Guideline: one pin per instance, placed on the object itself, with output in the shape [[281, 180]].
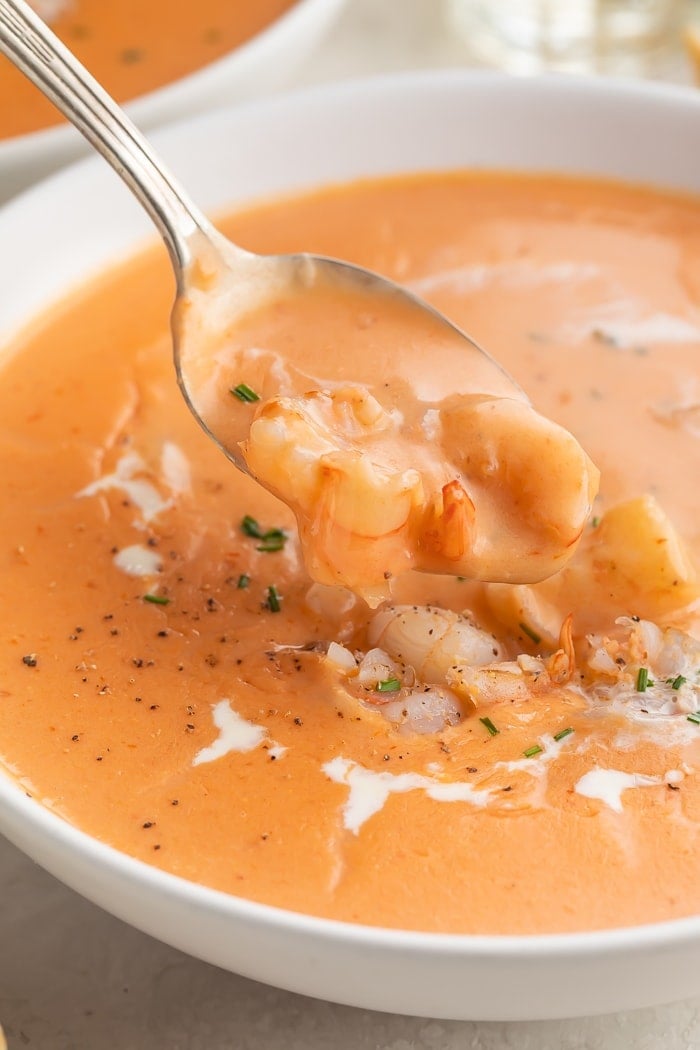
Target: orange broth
[[189, 733], [133, 47]]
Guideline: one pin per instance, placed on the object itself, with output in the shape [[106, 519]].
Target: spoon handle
[[41, 56]]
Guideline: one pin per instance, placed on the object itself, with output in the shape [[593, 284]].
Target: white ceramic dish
[[67, 228], [261, 64]]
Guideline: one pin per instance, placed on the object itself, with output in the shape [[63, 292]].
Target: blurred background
[[650, 38]]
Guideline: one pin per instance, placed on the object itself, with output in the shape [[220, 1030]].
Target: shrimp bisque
[[480, 756], [389, 466]]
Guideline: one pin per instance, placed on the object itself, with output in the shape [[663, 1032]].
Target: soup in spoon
[[322, 393]]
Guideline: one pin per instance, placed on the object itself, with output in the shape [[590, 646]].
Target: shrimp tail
[[449, 528], [562, 664]]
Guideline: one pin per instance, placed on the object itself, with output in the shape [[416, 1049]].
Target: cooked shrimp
[[410, 705], [518, 679], [443, 648], [354, 512], [425, 661], [647, 667], [427, 710], [497, 492], [432, 641], [527, 489]]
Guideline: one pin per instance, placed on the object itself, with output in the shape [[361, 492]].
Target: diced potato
[[634, 563]]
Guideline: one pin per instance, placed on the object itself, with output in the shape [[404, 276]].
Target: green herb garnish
[[243, 581], [244, 393], [251, 527], [156, 599], [490, 726], [643, 679], [695, 719], [389, 685], [678, 681], [533, 635], [532, 751], [562, 733], [274, 600], [271, 539]]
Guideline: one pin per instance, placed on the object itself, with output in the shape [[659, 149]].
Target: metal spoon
[[217, 281]]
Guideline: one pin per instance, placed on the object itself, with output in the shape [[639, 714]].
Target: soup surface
[[132, 47], [174, 683]]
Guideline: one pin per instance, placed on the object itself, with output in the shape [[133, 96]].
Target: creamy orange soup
[[467, 757], [132, 47]]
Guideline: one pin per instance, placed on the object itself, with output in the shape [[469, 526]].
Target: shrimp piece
[[669, 659], [530, 484], [497, 493], [518, 679], [412, 707], [443, 648], [431, 640], [354, 510], [426, 710], [435, 660]]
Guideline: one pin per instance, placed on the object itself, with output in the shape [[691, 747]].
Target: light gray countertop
[[74, 978]]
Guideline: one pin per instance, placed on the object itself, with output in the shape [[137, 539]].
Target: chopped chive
[[389, 685], [643, 679], [156, 599], [251, 527], [490, 726], [562, 733], [272, 540], [595, 522], [243, 581], [694, 718], [533, 635], [532, 751], [244, 393], [678, 681], [274, 601]]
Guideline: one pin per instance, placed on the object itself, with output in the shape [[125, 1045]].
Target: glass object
[[576, 35]]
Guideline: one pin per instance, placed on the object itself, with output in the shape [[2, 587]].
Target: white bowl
[[82, 219], [262, 63]]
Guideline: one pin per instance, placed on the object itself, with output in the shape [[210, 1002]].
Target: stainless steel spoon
[[217, 281]]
